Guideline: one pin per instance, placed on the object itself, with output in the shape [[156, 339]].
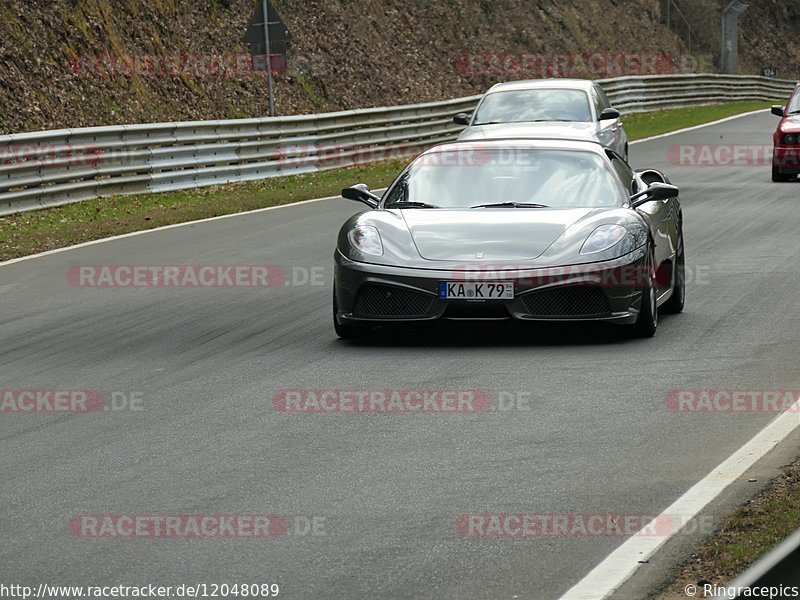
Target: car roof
[[524, 143], [533, 84]]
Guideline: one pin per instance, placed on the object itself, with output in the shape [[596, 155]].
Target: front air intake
[[375, 301], [568, 301]]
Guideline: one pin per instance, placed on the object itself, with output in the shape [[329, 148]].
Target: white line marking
[[622, 563], [144, 231], [259, 210]]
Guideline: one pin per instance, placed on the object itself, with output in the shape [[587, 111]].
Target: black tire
[[675, 303], [647, 323], [778, 176], [347, 332]]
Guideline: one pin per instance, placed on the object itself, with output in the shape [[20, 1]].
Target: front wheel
[[678, 298], [647, 323], [778, 176]]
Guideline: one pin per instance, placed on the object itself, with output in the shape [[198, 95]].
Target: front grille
[[570, 301], [387, 302]]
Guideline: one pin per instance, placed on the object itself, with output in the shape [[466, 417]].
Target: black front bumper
[[604, 291]]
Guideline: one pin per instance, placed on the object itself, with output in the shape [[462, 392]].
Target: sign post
[[268, 37], [269, 59], [730, 36]]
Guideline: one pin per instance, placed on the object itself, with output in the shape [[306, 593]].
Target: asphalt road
[[385, 490]]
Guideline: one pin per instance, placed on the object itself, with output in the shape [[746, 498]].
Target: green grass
[[643, 125], [747, 535], [754, 531], [34, 231], [30, 232]]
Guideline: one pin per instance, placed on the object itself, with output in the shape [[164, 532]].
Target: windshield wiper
[[793, 112], [511, 205], [411, 205]]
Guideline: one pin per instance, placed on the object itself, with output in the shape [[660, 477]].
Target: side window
[[598, 107], [624, 172], [603, 98]]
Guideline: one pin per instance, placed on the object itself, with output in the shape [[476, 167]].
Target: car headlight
[[366, 239], [603, 238], [790, 138]]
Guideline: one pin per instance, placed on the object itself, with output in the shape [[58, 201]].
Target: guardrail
[[50, 168], [638, 94]]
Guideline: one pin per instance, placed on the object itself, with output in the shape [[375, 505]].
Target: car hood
[[577, 130], [488, 234]]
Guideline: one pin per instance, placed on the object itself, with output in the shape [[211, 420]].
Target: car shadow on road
[[497, 333]]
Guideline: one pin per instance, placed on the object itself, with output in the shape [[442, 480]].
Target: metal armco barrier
[[50, 168]]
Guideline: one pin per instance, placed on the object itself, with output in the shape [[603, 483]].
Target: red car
[[786, 140]]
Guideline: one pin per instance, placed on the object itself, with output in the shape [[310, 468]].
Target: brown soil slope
[[345, 53]]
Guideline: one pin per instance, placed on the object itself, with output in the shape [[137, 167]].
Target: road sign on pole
[[730, 36], [265, 10], [268, 36]]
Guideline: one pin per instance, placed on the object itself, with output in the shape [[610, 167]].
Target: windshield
[[794, 103], [473, 176], [521, 106]]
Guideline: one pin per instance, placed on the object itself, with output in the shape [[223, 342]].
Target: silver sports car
[[547, 230], [541, 108]]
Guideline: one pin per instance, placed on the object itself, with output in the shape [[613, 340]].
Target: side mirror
[[777, 110], [650, 176], [609, 113], [656, 191], [461, 119], [360, 193]]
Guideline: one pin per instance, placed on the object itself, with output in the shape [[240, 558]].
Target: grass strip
[[747, 535]]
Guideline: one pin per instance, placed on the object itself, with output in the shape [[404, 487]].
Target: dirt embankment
[[345, 53]]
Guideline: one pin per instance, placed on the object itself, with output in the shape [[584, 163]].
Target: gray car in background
[[546, 108]]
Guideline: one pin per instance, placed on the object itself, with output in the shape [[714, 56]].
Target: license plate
[[468, 290]]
